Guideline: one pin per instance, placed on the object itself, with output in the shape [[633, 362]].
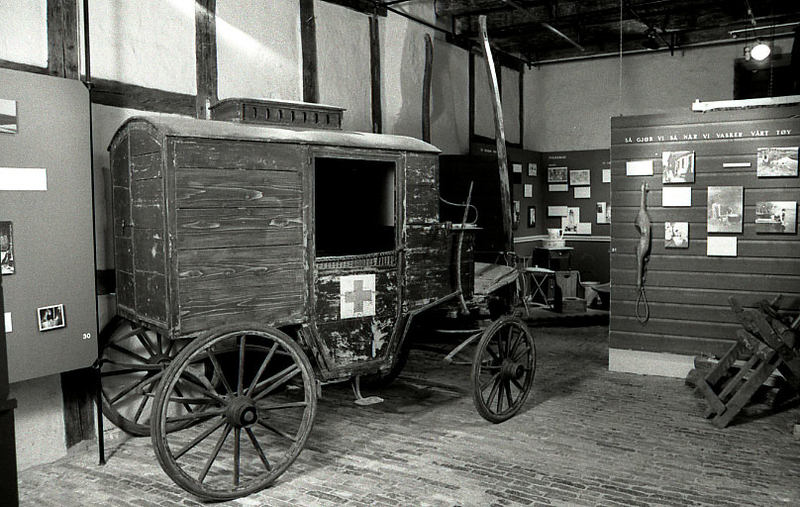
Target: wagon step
[[360, 400]]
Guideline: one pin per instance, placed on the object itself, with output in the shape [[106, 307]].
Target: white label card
[[558, 188], [676, 196], [23, 178], [606, 175], [9, 328], [721, 246], [582, 192], [639, 168]]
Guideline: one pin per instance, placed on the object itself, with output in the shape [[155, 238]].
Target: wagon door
[[356, 267]]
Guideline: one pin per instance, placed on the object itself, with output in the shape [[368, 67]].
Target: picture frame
[[533, 169], [557, 174], [580, 177], [725, 209], [676, 234], [7, 248], [51, 317], [678, 167], [8, 116], [531, 216], [777, 162], [776, 217]]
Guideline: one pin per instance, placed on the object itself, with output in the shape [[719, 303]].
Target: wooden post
[[500, 137], [206, 56], [426, 89], [63, 55], [308, 42], [375, 73]]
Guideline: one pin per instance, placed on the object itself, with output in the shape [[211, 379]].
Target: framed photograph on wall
[[8, 116], [777, 162], [6, 248], [51, 317], [678, 166], [676, 234], [531, 216], [533, 169], [725, 209], [580, 177], [776, 217], [556, 174]]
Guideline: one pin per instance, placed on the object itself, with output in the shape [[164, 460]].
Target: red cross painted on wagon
[[357, 296]]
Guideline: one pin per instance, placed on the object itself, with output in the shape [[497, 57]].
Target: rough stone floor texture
[[586, 437]]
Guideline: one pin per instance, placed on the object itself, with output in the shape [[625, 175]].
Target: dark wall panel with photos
[[736, 237]]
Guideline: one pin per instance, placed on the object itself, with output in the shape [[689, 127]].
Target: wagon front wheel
[[503, 369], [250, 395]]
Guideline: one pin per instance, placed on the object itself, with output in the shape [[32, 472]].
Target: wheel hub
[[242, 412], [512, 369]]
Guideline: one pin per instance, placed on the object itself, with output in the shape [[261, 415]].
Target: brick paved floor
[[586, 437]]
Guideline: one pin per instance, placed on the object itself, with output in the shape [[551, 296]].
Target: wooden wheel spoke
[[142, 337], [139, 410], [205, 387], [125, 371], [276, 380], [169, 347], [218, 370], [128, 353], [516, 383], [486, 384], [130, 387], [132, 367], [277, 431], [263, 367], [513, 350], [282, 406], [237, 433], [127, 335], [159, 343], [493, 392], [214, 454], [509, 396], [199, 438], [258, 449], [195, 416], [502, 385], [240, 379], [495, 356]]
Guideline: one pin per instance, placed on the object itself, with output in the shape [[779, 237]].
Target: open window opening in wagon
[[354, 206]]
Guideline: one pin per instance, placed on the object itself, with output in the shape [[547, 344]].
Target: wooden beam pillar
[[471, 98], [522, 107], [375, 73], [308, 42], [206, 56], [63, 53]]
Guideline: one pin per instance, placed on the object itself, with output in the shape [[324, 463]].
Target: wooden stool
[[539, 278]]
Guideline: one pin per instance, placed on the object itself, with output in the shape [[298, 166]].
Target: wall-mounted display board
[[584, 210], [46, 209], [722, 202]]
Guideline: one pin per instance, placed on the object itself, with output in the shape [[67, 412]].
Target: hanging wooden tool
[[642, 256], [426, 90], [500, 137]]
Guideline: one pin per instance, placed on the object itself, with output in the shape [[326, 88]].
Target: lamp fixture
[[651, 43], [760, 51]]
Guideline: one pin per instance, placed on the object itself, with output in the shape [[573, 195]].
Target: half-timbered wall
[[687, 289]]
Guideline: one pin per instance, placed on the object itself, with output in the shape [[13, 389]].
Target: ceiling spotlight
[[760, 51], [651, 43]]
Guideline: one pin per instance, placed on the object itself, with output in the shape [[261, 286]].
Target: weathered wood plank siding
[[688, 290], [238, 232]]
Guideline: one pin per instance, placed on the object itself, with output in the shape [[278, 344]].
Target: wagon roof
[[217, 129]]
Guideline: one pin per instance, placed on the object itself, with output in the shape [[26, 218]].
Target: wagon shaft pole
[[500, 136]]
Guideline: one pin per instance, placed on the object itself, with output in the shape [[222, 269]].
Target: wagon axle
[[241, 412]]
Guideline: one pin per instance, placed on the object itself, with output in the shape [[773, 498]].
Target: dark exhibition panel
[[721, 193]]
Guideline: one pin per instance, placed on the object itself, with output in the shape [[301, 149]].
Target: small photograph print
[[533, 169], [580, 177], [776, 217], [531, 216], [678, 166], [603, 213], [8, 116], [676, 234], [777, 162], [556, 174], [725, 209], [570, 222], [6, 248], [51, 317]]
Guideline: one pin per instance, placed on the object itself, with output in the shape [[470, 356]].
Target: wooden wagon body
[[334, 236]]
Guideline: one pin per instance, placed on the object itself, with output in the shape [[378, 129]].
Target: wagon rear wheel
[[503, 369], [250, 394], [132, 360]]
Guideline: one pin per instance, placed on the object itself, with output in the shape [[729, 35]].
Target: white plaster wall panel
[[511, 99], [144, 42], [38, 421], [450, 98], [403, 67], [484, 112], [258, 49], [343, 68], [569, 106], [23, 31]]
